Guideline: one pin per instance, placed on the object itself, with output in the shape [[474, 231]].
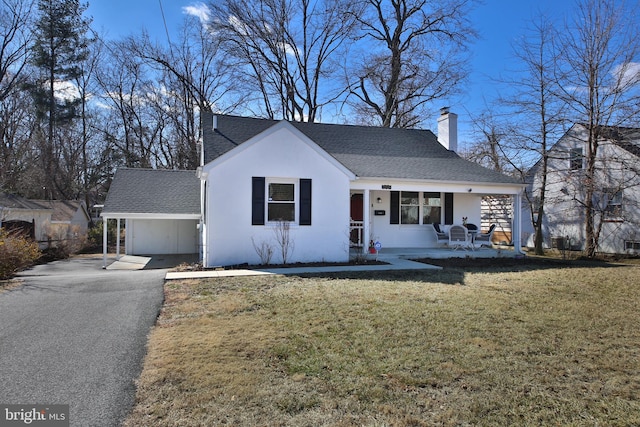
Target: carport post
[[104, 242], [118, 239]]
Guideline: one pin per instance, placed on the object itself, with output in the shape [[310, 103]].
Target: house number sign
[[386, 187]]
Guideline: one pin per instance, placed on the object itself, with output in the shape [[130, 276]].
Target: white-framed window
[[576, 159], [431, 208], [613, 210], [409, 207], [632, 245], [416, 207], [281, 200]]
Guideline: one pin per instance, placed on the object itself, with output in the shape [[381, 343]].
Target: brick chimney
[[448, 129]]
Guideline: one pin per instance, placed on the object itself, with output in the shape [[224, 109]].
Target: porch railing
[[356, 233]]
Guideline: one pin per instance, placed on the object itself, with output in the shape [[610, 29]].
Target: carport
[[161, 210]]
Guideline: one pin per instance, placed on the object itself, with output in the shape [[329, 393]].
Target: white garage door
[[162, 236]]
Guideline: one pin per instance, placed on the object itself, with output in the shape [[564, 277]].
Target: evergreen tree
[[60, 47]]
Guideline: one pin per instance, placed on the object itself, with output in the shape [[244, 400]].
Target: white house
[[330, 187], [335, 186], [617, 195]]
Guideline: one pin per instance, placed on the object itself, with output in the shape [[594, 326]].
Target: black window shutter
[[448, 208], [257, 201], [305, 202], [394, 209]]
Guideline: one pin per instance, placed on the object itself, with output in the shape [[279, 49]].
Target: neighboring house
[[30, 217], [161, 209], [616, 199], [46, 221], [335, 186], [69, 218]]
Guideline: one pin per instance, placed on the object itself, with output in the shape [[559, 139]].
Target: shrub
[[16, 253], [64, 240], [95, 233]]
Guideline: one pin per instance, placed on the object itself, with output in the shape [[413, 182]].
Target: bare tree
[[195, 76], [599, 80], [490, 135], [538, 112], [125, 89], [414, 52], [284, 239], [16, 152], [15, 39], [285, 51]]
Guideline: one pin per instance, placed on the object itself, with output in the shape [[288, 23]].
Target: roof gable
[[274, 128], [367, 152]]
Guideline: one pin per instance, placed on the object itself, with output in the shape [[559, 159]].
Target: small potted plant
[[372, 247], [464, 221]]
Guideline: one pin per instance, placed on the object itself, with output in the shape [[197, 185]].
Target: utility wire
[[164, 21]]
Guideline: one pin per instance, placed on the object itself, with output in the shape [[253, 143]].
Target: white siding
[[279, 153], [565, 191], [161, 236]]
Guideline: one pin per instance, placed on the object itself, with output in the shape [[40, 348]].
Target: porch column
[[517, 223], [104, 242], [118, 238], [366, 221]]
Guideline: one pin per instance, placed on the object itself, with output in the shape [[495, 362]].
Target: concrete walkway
[[394, 263], [396, 259]]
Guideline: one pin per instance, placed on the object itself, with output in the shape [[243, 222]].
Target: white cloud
[[65, 91], [199, 10], [627, 74]]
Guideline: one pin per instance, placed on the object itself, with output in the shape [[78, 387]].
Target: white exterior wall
[[161, 236], [40, 218], [396, 235], [284, 155], [465, 203], [564, 215], [81, 220]]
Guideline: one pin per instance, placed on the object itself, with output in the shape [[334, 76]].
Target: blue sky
[[499, 23]]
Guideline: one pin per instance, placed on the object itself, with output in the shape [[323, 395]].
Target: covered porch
[[400, 217]]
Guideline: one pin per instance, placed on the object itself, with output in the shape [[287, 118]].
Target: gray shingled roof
[[12, 201], [153, 191], [63, 210], [370, 152], [624, 137]]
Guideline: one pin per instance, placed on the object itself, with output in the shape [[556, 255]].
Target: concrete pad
[[130, 262]]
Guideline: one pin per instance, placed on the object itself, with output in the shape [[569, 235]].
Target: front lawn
[[521, 345]]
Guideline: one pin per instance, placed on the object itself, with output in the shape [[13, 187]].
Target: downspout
[[517, 223]]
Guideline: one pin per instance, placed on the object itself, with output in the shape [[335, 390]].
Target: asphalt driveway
[[76, 334]]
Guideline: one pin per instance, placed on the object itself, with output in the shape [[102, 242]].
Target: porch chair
[[459, 237], [441, 236], [484, 239]]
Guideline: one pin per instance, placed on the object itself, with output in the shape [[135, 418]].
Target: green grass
[[526, 345]]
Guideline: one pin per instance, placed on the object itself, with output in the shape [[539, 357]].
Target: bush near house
[[16, 253], [95, 233]]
